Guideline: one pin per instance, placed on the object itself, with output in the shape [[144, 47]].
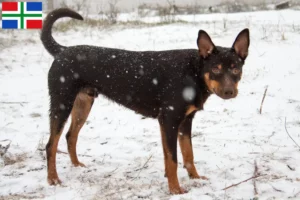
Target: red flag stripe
[[9, 6], [34, 24]]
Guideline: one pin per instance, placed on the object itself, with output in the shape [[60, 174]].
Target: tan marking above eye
[[236, 71], [216, 70], [220, 67]]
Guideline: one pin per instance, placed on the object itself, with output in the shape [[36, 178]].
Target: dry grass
[[20, 196], [103, 23], [13, 159]]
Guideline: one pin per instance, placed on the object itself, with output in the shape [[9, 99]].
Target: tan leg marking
[[80, 112], [188, 157], [190, 109], [51, 154], [170, 167]]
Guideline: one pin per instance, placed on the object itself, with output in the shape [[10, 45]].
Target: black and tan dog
[[168, 85]]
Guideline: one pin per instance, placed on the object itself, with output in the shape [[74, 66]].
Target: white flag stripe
[[10, 18], [33, 18]]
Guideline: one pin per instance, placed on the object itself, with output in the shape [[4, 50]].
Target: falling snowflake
[[141, 72], [62, 106], [188, 94], [113, 56], [107, 76], [76, 75], [62, 79], [80, 57], [154, 81], [171, 107], [128, 98]]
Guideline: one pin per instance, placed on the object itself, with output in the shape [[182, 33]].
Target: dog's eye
[[236, 71], [216, 70]]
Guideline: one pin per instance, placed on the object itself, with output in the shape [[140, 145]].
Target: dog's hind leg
[[186, 147], [61, 103], [81, 109]]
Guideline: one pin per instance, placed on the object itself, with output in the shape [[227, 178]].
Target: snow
[[171, 108], [62, 79], [76, 75], [122, 150], [188, 94]]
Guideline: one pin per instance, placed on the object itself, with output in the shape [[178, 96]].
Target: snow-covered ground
[[122, 151]]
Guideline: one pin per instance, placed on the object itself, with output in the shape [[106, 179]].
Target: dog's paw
[[195, 175], [54, 181], [203, 178], [178, 190], [79, 164]]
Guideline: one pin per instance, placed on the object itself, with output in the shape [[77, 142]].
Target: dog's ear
[[205, 45], [241, 44]]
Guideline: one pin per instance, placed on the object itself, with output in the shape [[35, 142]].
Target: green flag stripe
[[24, 15]]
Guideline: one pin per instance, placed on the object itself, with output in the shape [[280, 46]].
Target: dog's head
[[223, 66]]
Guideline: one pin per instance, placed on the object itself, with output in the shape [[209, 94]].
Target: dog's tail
[[46, 35]]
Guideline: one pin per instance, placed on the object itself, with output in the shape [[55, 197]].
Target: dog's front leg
[[169, 133], [185, 141]]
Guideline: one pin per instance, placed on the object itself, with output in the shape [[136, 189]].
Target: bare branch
[[276, 189], [9, 102], [236, 184], [263, 99], [289, 134], [255, 173], [144, 165], [62, 152]]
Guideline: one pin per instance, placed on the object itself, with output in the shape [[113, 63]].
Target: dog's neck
[[197, 69]]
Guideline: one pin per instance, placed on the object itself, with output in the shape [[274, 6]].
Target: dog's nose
[[228, 93]]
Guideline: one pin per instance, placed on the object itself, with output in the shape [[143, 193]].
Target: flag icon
[[22, 15]]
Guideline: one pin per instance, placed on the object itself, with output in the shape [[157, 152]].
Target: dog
[[170, 86]]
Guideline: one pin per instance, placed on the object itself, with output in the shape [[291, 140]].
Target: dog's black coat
[[142, 81]]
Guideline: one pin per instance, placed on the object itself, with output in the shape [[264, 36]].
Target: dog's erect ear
[[205, 45], [241, 44]]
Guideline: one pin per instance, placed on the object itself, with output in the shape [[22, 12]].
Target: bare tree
[[50, 5], [113, 11]]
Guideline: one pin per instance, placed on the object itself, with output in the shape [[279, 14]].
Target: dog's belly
[[144, 103], [139, 104], [147, 112]]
